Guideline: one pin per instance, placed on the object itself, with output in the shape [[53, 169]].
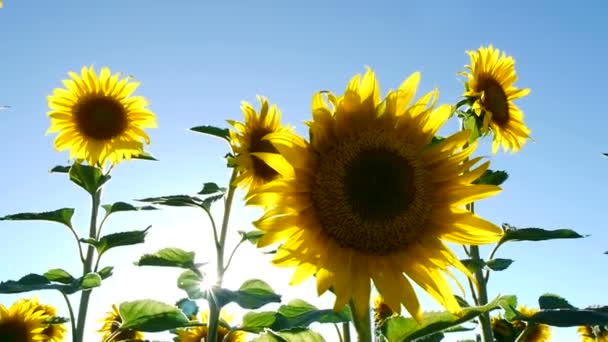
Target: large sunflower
[[369, 197], [97, 118], [199, 333], [248, 144], [22, 323], [490, 82], [53, 332], [112, 322]]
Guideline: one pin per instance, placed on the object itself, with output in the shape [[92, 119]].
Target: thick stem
[[86, 268], [362, 323], [214, 309]]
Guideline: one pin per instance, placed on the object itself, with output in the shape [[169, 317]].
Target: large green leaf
[[110, 241], [407, 329], [256, 322], [30, 282], [569, 317], [300, 314], [536, 234], [222, 133], [169, 257], [123, 206], [492, 177], [151, 316], [190, 282], [63, 216], [35, 282], [553, 301], [296, 335], [253, 294], [176, 201], [88, 177], [59, 275]]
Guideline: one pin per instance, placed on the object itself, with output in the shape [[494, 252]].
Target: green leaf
[[60, 169], [473, 265], [63, 216], [57, 320], [211, 188], [176, 201], [438, 337], [144, 156], [190, 282], [123, 206], [253, 294], [106, 272], [296, 335], [553, 301], [407, 329], [536, 234], [169, 257], [251, 236], [257, 322], [151, 316], [30, 282], [110, 241], [569, 317], [492, 177], [222, 133], [499, 264], [90, 280], [300, 314], [472, 123], [207, 202], [188, 307], [59, 275], [508, 304], [88, 177]]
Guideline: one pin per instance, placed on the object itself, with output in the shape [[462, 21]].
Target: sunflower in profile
[[249, 146], [197, 334], [53, 332], [97, 118], [21, 323], [369, 197], [593, 333], [490, 79], [112, 322]]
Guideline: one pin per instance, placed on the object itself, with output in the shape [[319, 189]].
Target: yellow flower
[[381, 310], [249, 146], [199, 333], [532, 332], [97, 119], [593, 334], [112, 322], [369, 198], [490, 82], [53, 332], [22, 323]]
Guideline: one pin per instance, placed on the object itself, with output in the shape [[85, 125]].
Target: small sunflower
[[490, 82], [369, 198], [112, 322], [97, 118], [381, 310], [199, 333], [54, 332], [593, 333], [248, 144], [534, 332], [22, 323]]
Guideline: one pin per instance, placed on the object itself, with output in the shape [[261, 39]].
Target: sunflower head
[[112, 322], [381, 310], [22, 323], [97, 118], [370, 199], [199, 333], [490, 85], [593, 333], [55, 332], [503, 330], [533, 332], [254, 155]]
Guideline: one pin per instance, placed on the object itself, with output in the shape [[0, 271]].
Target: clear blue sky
[[197, 61]]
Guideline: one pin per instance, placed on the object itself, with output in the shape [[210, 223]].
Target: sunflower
[[593, 334], [22, 323], [533, 333], [54, 332], [369, 197], [503, 330], [112, 322], [97, 119], [199, 333], [490, 83], [248, 144], [381, 310]]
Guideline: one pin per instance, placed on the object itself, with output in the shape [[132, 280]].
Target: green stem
[[72, 322], [362, 323], [346, 331], [86, 268], [214, 309], [77, 242], [487, 273]]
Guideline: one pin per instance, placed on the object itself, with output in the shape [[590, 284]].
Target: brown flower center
[[495, 100], [101, 117], [13, 331], [260, 168]]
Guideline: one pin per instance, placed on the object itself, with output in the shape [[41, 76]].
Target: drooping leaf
[[30, 282], [90, 280], [222, 133], [492, 177], [60, 169], [536, 234], [88, 177], [123, 206], [190, 282], [169, 257], [188, 307], [211, 188], [114, 240], [499, 264], [175, 201], [253, 294], [406, 329], [59, 275], [251, 236], [151, 316], [553, 301], [63, 216]]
